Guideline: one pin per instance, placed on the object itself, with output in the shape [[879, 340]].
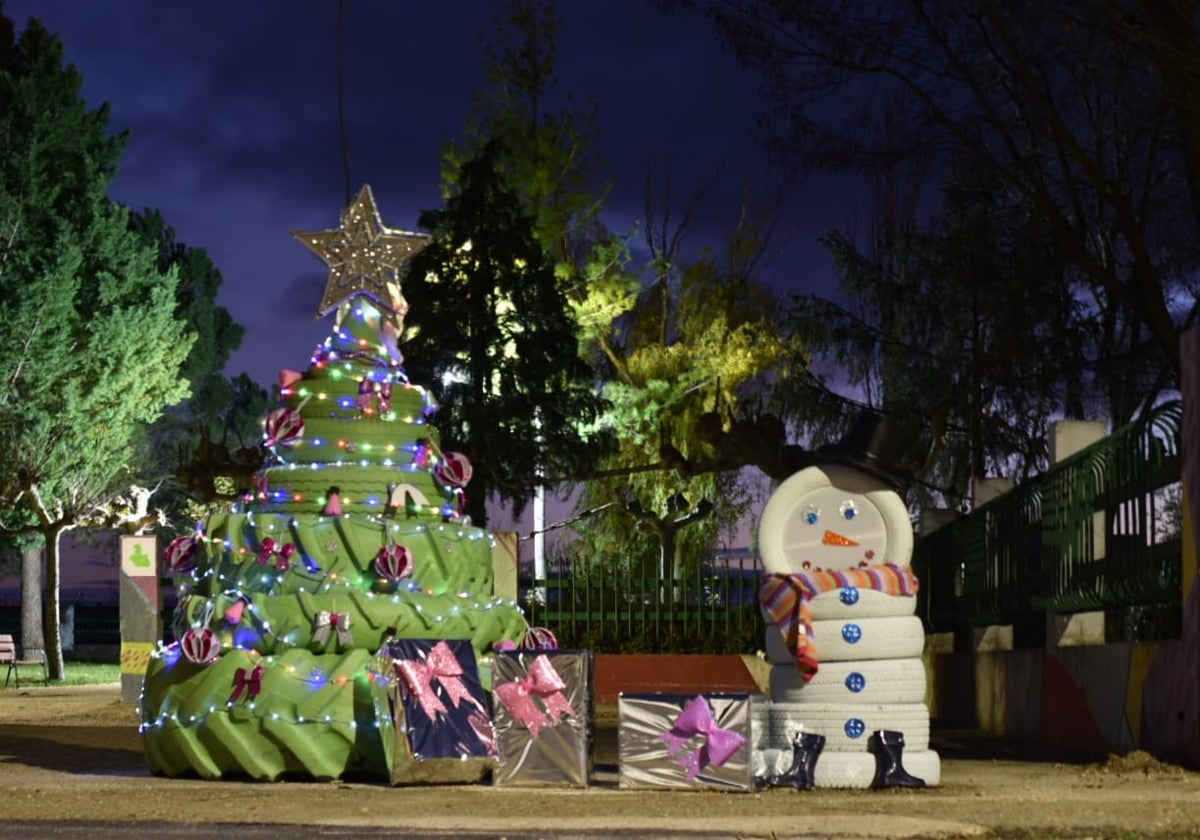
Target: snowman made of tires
[[847, 682]]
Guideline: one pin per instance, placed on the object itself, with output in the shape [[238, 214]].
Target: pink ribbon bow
[[246, 681], [326, 621], [281, 554], [379, 393], [439, 665], [719, 744], [541, 680]]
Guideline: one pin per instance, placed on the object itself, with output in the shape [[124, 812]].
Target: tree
[[1081, 112], [94, 346], [696, 347], [494, 336], [216, 433]]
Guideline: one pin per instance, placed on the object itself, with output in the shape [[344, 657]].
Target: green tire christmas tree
[[354, 535]]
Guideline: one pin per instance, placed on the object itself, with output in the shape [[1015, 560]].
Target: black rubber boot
[[889, 765], [806, 748]]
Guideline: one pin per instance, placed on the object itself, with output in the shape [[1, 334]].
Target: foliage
[[698, 344], [192, 443], [95, 347], [1078, 114], [494, 338]]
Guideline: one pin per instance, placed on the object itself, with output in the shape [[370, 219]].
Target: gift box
[[543, 709], [685, 741], [443, 725]]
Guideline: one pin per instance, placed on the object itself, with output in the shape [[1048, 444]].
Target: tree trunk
[[52, 617], [33, 644]]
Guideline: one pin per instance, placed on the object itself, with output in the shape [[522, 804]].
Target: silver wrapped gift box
[[543, 710], [685, 741]]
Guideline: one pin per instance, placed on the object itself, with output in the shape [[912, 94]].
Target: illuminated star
[[364, 257]]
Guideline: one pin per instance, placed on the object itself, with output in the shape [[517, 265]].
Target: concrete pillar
[[505, 556], [1067, 437], [986, 488], [141, 605]]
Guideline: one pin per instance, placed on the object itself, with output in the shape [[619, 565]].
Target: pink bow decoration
[[283, 427], [282, 555], [539, 638], [394, 563], [180, 556], [374, 395], [201, 647], [454, 469], [719, 744], [326, 621], [248, 682], [440, 665], [542, 681]]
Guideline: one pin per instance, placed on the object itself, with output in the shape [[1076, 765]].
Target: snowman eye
[[847, 509], [812, 514]]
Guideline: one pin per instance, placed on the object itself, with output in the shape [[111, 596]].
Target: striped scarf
[[785, 599]]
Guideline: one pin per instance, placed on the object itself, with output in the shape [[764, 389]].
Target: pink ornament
[[283, 427], [180, 556], [201, 647], [394, 562], [539, 638], [454, 469], [288, 378], [233, 613], [333, 503]]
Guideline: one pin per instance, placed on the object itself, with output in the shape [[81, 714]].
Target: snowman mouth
[[834, 538]]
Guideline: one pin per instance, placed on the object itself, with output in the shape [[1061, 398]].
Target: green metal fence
[[613, 608], [1097, 531]]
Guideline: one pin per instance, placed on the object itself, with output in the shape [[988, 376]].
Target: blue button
[[855, 682], [851, 633], [855, 728], [849, 596]]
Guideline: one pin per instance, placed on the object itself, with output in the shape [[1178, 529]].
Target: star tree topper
[[364, 257]]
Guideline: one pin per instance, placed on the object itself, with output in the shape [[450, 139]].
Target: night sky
[[233, 110]]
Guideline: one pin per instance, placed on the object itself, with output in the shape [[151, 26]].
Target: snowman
[[847, 682]]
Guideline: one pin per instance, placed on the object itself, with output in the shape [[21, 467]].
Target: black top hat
[[873, 445]]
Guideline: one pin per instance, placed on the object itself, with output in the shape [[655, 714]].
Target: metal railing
[[614, 608], [1098, 531]]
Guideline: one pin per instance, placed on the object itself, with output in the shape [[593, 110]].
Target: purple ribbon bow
[[719, 744]]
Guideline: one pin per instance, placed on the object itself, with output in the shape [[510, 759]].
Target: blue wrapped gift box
[[443, 724]]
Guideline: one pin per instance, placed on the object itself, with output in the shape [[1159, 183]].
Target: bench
[[8, 656]]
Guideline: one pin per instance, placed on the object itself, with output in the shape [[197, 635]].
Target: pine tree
[[93, 346]]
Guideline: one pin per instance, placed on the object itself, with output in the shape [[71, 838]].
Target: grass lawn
[[77, 673]]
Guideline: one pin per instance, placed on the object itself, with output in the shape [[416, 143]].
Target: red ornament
[[539, 638], [283, 427], [454, 469], [180, 556], [201, 647], [394, 563]]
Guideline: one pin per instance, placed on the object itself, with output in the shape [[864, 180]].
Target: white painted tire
[[760, 721], [900, 637], [857, 770], [855, 602], [869, 638], [852, 681], [787, 539], [847, 727]]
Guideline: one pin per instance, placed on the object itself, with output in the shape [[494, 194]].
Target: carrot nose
[[834, 538]]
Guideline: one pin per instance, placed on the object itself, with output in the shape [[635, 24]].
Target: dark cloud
[[233, 109]]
